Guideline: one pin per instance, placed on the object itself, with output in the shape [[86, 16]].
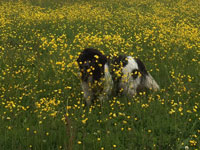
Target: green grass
[[41, 102]]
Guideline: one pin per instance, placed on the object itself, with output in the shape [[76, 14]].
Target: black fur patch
[[142, 70], [135, 73], [141, 67], [91, 63], [117, 64]]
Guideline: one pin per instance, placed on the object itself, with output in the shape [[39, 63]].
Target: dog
[[130, 76], [102, 76], [96, 80]]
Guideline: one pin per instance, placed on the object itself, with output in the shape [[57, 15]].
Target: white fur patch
[[129, 85], [132, 64], [150, 83], [107, 84], [87, 91]]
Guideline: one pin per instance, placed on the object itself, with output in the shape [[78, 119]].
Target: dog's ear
[[141, 67], [80, 60]]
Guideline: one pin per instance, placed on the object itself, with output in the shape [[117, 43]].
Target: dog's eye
[[135, 73]]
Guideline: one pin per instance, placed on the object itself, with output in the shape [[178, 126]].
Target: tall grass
[[41, 102]]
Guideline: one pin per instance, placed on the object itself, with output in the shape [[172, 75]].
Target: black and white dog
[[130, 75], [122, 74], [96, 80]]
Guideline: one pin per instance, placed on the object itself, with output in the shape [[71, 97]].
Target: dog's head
[[91, 63]]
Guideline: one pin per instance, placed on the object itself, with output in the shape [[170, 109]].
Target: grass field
[[41, 102]]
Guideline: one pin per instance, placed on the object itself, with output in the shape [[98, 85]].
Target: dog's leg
[[107, 84], [132, 86], [87, 92]]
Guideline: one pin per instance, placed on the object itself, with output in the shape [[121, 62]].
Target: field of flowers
[[41, 102]]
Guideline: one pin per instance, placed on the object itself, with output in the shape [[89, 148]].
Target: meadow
[[41, 101]]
